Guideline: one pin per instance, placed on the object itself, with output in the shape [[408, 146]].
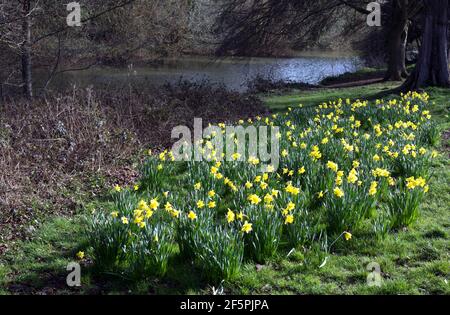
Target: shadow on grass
[[38, 266], [49, 277]]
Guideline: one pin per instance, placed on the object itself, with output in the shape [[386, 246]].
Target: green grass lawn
[[413, 261], [320, 95]]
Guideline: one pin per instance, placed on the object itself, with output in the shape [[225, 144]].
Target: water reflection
[[235, 73]]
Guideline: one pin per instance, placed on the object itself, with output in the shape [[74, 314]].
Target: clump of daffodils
[[343, 165]]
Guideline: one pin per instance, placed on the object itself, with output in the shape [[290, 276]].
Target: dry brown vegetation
[[86, 141]]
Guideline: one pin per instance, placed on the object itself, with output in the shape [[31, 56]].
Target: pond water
[[235, 73]]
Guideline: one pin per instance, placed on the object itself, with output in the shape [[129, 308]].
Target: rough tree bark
[[432, 66], [396, 42], [25, 50]]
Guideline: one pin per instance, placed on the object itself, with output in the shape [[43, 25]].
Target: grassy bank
[[320, 95], [360, 75], [412, 261]]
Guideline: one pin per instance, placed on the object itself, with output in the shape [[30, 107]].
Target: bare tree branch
[[355, 7], [97, 15], [55, 67]]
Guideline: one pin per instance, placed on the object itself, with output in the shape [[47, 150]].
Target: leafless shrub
[[54, 151]]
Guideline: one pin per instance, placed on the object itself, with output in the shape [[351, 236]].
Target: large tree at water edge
[[432, 65]]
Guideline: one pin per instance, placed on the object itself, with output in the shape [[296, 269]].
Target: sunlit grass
[[413, 261], [318, 96]]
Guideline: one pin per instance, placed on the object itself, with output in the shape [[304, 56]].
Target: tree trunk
[[397, 39], [432, 65], [27, 79]]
